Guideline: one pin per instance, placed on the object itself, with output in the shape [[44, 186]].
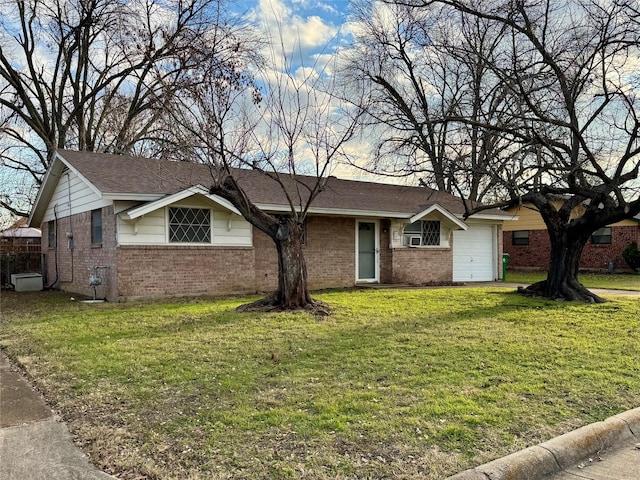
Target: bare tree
[[569, 117], [93, 75], [288, 126], [414, 63]]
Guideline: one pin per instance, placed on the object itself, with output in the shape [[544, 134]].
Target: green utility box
[[505, 262]]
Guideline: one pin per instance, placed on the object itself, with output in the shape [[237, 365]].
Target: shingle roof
[[122, 174]]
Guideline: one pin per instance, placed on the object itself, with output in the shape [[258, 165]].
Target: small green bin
[[505, 262]]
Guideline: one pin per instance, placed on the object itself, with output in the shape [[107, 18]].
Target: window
[[602, 236], [189, 225], [51, 233], [422, 233], [96, 227], [520, 237]]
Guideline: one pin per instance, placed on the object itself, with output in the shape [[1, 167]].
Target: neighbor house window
[[96, 227], [51, 231], [422, 233], [602, 236], [520, 237], [189, 225]]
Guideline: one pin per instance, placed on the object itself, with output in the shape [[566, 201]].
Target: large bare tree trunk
[[292, 292], [562, 278], [292, 274]]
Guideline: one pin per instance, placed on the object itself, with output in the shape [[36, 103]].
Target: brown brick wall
[[599, 256], [417, 266], [169, 270], [534, 255], [594, 257], [386, 253], [329, 253], [11, 245], [266, 262], [75, 265]]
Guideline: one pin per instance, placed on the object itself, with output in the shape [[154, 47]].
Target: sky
[[309, 27], [311, 31]]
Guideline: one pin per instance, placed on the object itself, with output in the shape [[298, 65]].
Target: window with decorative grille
[[189, 225], [430, 232], [422, 233]]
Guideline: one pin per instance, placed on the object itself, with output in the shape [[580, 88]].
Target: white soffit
[[343, 212], [137, 212], [488, 216]]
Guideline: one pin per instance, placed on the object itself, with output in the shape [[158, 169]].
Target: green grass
[[589, 280], [395, 383]]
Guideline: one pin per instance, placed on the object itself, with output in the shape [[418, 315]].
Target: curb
[[561, 452]]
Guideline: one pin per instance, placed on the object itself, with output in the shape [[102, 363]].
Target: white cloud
[[292, 35]]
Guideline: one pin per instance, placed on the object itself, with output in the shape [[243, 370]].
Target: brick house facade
[[596, 257], [149, 271], [161, 236], [70, 257], [532, 249]]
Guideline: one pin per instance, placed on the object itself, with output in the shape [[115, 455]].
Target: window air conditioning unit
[[415, 241]]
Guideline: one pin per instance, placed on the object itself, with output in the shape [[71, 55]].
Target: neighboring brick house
[[19, 250], [527, 242], [152, 229], [20, 238]]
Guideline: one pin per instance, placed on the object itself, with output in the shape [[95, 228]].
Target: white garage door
[[473, 254]]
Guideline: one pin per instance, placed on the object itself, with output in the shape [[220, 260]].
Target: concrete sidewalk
[[598, 291], [605, 450], [33, 444], [619, 464]]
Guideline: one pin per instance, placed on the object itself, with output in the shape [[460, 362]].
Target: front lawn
[[622, 281], [395, 383]]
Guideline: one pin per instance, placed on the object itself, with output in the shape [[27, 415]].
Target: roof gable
[[451, 219], [142, 210], [21, 232], [128, 177], [49, 183]]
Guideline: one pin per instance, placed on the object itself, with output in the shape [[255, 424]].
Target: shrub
[[631, 255]]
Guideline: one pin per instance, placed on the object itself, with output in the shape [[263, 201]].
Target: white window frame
[[95, 227], [601, 234], [376, 278], [186, 207], [408, 238], [519, 239]]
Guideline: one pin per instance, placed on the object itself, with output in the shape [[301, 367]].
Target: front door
[[367, 252]]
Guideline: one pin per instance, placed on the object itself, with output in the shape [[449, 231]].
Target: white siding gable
[[397, 229], [148, 230], [71, 196], [227, 228]]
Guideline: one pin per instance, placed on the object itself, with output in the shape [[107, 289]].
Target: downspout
[[55, 249]]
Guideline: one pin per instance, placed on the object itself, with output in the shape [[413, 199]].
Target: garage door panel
[[473, 258]]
